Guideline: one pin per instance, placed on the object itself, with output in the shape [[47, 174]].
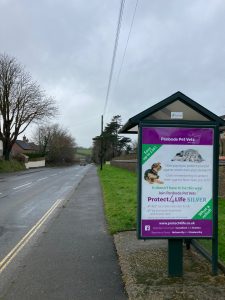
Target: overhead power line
[[114, 53], [128, 38]]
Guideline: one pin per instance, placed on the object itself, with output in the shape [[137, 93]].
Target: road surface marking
[[43, 178], [12, 254], [18, 187], [54, 174]]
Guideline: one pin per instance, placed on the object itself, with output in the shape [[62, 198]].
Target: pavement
[[144, 265], [74, 257]]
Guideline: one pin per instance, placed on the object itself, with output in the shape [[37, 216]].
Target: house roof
[[178, 102], [24, 145]]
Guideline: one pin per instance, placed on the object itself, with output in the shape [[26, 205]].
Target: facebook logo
[[147, 227]]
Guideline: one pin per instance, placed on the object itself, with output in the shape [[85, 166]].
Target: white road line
[[18, 187], [43, 178], [54, 174], [12, 254]]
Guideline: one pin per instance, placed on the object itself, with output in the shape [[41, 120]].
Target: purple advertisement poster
[[176, 182]]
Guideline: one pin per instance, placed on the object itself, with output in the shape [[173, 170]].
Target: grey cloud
[[67, 47]]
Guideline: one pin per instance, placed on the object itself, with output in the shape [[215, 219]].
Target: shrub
[[11, 166], [34, 155]]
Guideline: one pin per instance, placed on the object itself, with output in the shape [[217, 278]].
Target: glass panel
[[180, 112], [135, 128]]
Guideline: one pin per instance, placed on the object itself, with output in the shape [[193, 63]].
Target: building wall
[[35, 164], [221, 191], [130, 165], [222, 146], [16, 149]]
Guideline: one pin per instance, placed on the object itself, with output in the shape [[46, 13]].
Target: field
[[83, 152], [120, 200]]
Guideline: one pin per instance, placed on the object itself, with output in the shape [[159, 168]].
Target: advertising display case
[[178, 157], [176, 196]]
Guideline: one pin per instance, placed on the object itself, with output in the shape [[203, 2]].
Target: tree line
[[55, 143], [22, 102]]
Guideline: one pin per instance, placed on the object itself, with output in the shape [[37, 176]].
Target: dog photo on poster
[[176, 182]]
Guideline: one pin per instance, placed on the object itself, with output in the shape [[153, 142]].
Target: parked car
[[82, 162]]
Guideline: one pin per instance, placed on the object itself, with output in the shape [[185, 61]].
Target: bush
[[34, 155]]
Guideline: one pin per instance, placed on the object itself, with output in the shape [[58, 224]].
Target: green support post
[[215, 203], [175, 257]]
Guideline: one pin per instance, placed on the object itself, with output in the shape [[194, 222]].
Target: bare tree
[[21, 102], [55, 143]]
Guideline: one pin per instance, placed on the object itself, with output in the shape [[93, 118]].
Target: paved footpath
[[75, 257]]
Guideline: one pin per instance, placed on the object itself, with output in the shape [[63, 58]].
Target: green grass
[[221, 232], [221, 229], [11, 166], [120, 197], [83, 151], [119, 190]]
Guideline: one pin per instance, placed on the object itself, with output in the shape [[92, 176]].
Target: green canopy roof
[[175, 107]]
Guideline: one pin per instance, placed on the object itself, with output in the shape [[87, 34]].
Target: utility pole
[[101, 157]]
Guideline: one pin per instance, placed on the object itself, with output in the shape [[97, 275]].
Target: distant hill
[[83, 153]]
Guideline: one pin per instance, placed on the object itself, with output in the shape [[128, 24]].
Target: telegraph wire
[[114, 53], [128, 38]]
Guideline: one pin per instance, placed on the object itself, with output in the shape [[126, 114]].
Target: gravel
[[144, 268]]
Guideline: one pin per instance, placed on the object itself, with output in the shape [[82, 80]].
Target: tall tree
[[112, 143], [21, 102]]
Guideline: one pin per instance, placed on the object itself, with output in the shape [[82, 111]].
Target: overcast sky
[[67, 46]]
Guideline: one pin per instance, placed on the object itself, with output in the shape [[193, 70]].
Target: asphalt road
[[26, 196], [69, 256]]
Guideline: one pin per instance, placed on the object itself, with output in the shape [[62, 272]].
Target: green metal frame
[[215, 201], [215, 122], [175, 252]]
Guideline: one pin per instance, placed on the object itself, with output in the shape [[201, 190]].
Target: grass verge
[[120, 194], [119, 190], [11, 166], [221, 232]]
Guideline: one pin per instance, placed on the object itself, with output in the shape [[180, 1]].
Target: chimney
[[25, 139]]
